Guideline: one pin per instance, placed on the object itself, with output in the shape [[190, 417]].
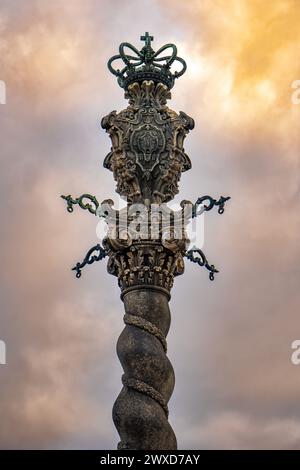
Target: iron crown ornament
[[147, 64], [146, 242]]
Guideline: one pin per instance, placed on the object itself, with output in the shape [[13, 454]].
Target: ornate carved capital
[[145, 263]]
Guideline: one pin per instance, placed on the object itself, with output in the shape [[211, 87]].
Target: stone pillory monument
[[146, 242]]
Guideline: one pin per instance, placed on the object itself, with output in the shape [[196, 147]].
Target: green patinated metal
[[147, 64]]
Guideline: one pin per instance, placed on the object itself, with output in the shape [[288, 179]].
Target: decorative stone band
[[145, 325], [142, 387]]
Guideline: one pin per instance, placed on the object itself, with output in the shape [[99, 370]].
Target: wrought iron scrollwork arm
[[80, 201], [197, 256], [90, 258], [220, 203]]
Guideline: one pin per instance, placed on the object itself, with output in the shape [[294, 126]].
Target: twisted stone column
[[145, 271], [140, 412]]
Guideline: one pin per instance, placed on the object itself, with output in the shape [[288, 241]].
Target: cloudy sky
[[230, 341]]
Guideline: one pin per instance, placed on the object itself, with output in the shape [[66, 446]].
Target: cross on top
[[147, 38]]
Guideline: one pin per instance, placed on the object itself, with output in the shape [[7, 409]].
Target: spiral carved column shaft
[[140, 412], [145, 272]]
